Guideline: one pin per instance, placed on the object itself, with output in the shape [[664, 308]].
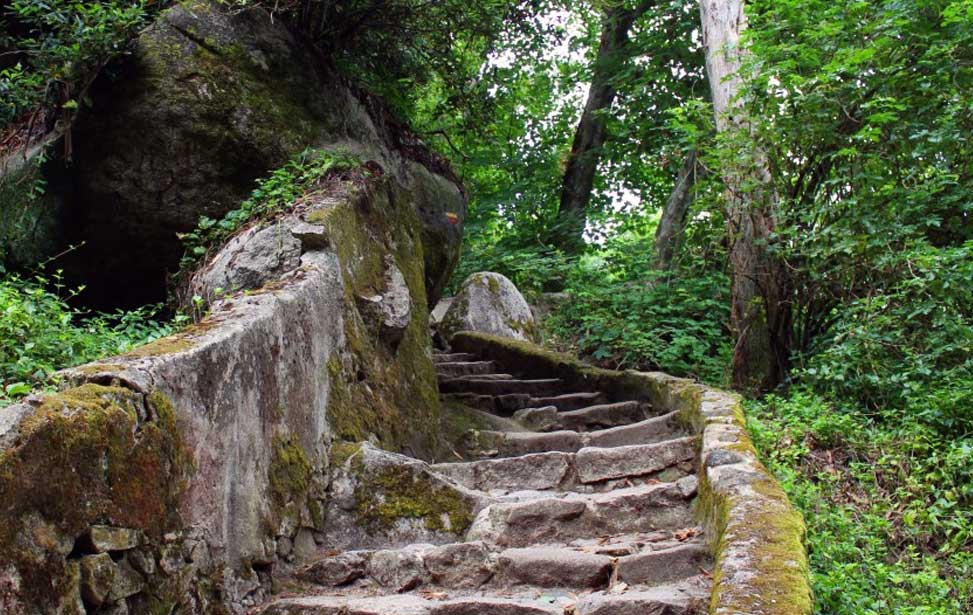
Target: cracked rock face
[[489, 303]]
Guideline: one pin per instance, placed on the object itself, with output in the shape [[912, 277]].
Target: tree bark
[[591, 133], [760, 315], [673, 221]]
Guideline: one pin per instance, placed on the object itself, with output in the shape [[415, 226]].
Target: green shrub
[[40, 333], [909, 347], [625, 314], [61, 45], [300, 177]]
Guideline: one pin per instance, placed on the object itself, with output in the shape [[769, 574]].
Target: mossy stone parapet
[[77, 468], [757, 535], [265, 392]]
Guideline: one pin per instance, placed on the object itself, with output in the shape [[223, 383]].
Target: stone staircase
[[587, 510]]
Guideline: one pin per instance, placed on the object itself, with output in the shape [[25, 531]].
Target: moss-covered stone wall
[[73, 465]]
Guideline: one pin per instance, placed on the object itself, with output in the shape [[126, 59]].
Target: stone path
[[589, 512]]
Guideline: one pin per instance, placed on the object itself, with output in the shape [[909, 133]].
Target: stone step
[[411, 605], [689, 597], [596, 464], [568, 401], [456, 357], [508, 404], [492, 376], [565, 470], [488, 444], [483, 386], [473, 566], [665, 565], [603, 416], [652, 430], [575, 516], [465, 368]]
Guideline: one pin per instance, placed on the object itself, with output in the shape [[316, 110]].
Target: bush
[[60, 46], [624, 314], [40, 333], [907, 348]]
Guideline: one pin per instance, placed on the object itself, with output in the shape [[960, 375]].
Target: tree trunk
[[590, 135], [673, 221], [760, 316]]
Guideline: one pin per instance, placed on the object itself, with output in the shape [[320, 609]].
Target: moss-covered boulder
[[210, 100], [489, 303], [91, 480]]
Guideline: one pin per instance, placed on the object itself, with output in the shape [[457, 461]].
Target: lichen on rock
[[489, 303]]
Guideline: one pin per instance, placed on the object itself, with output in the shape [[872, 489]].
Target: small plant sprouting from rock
[[304, 174]]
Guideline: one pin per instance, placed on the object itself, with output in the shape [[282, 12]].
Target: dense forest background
[[811, 245]]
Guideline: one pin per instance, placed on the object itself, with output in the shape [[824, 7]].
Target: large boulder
[[210, 100], [489, 303]]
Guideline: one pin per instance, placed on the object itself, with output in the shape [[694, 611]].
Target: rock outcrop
[[489, 303], [209, 101]]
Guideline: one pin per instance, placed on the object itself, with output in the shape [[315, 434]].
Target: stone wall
[[205, 456], [757, 536]]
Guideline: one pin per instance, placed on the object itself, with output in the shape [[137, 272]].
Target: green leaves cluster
[[53, 49], [277, 192], [624, 314], [40, 333]]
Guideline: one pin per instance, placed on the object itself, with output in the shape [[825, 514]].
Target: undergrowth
[[302, 176], [41, 333]]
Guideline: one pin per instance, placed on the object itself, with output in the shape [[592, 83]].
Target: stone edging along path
[[757, 536]]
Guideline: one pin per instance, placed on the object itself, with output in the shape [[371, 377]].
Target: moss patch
[[290, 471], [395, 493], [83, 457]]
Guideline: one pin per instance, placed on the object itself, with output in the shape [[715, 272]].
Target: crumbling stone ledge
[[757, 536]]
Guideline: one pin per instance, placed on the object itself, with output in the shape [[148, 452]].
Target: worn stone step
[[455, 357], [546, 418], [485, 386], [559, 470], [503, 405], [465, 368], [568, 401], [539, 471], [603, 416], [596, 464], [652, 430], [493, 376], [486, 444], [690, 597], [410, 605], [563, 519], [664, 565], [634, 560]]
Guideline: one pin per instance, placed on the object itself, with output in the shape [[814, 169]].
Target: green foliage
[[889, 506], [305, 175], [55, 48], [40, 333], [623, 314], [909, 347]]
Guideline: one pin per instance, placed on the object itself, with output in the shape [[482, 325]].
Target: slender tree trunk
[[591, 133], [760, 315], [673, 221]]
